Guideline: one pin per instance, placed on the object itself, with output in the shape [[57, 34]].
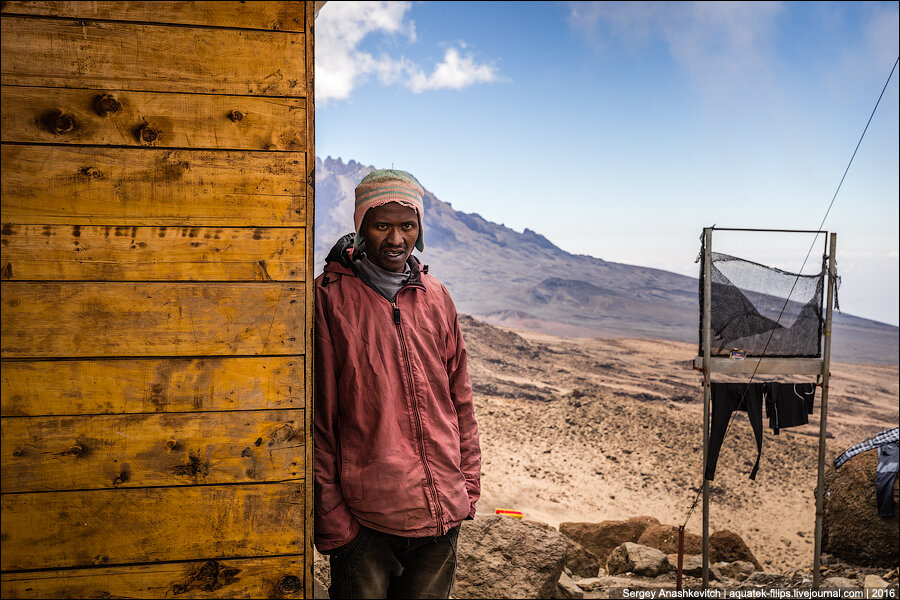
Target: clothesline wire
[[797, 278]]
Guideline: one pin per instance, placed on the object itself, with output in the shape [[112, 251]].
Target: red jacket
[[396, 443]]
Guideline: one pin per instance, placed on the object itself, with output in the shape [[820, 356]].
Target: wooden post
[[826, 374], [707, 312]]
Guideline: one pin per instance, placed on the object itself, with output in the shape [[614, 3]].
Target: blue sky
[[620, 130]]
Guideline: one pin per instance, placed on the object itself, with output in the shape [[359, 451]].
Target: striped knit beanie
[[388, 185]]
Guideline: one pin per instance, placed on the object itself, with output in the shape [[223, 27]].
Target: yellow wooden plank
[[39, 454], [160, 58], [77, 387], [276, 16], [120, 186], [85, 252], [144, 525], [276, 577], [151, 319], [80, 116]]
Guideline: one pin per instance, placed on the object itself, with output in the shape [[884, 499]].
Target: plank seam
[[157, 148], [141, 564], [155, 487], [151, 23], [158, 412], [145, 357]]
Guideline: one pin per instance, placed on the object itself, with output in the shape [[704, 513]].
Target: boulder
[[580, 561], [590, 584], [691, 564], [831, 583], [601, 538], [635, 558], [567, 589], [874, 582], [727, 546], [665, 539], [501, 557], [738, 570], [852, 529], [644, 520], [320, 590], [321, 569]]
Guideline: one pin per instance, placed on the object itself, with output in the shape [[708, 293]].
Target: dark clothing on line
[[789, 404], [727, 398], [885, 475], [382, 565]]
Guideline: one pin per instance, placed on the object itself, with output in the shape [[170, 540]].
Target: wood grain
[[143, 525], [93, 253], [151, 319], [160, 58], [276, 577], [276, 16], [178, 120], [118, 186], [84, 387], [39, 454], [310, 293]]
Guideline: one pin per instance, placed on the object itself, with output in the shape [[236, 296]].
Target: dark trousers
[[381, 565], [727, 398]]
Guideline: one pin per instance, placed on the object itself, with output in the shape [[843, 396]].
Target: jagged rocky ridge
[[522, 280]]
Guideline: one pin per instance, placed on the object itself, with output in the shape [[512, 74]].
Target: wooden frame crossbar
[[762, 365]]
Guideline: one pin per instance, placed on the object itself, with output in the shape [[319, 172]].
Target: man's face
[[391, 231]]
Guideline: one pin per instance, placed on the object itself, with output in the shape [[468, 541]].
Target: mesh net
[[763, 310]]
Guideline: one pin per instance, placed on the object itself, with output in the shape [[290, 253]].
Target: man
[[397, 458]]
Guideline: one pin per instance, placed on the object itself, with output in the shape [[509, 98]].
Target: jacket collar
[[343, 257]]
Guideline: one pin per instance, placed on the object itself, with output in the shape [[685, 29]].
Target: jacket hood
[[343, 254]]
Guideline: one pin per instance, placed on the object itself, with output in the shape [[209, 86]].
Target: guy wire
[[797, 278]]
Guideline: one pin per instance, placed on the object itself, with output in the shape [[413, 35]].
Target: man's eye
[[381, 227], [407, 226]]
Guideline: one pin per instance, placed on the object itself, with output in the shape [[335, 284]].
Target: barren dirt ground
[[598, 429]]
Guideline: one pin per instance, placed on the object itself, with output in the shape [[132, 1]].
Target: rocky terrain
[[606, 429]]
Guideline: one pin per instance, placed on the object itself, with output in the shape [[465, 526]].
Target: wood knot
[[172, 444], [6, 272], [76, 450], [18, 452], [57, 122], [106, 104], [236, 115], [290, 584], [147, 135], [92, 172]]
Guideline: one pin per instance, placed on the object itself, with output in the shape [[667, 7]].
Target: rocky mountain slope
[[524, 281]]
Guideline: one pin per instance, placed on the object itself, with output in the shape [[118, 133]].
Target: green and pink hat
[[388, 185]]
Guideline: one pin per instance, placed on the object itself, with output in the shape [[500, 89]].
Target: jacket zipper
[[419, 432]]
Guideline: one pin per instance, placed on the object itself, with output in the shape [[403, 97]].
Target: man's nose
[[394, 238]]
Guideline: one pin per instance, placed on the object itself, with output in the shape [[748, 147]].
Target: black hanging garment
[[885, 475], [789, 404], [727, 398]]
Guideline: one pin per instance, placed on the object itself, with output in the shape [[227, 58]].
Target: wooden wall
[[157, 204]]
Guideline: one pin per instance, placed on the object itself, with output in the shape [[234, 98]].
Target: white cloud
[[341, 28], [455, 72], [717, 42]]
